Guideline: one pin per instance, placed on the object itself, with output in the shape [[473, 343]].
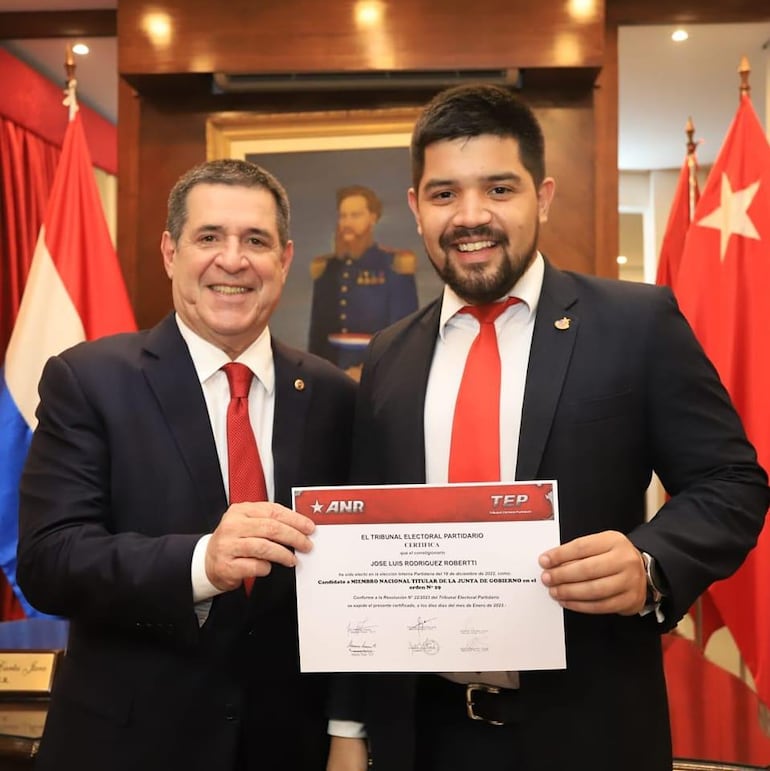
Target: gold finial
[[70, 87], [69, 64], [744, 70], [689, 130]]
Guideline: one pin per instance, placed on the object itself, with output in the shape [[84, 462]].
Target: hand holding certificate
[[426, 578]]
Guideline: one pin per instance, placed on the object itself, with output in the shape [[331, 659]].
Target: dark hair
[[472, 110], [226, 172], [373, 203]]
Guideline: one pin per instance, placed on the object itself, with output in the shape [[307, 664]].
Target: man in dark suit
[[601, 383], [125, 525], [362, 287]]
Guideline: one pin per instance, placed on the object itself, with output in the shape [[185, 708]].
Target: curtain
[[27, 168]]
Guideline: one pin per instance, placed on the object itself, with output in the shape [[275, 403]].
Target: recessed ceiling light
[[622, 260], [81, 49], [679, 35]]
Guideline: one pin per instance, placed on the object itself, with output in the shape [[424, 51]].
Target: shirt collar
[[527, 289], [208, 359]]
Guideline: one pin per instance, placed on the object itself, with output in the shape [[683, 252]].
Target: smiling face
[[228, 267], [479, 212]]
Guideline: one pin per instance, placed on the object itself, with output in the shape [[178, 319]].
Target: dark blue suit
[[121, 481], [354, 298], [620, 391]]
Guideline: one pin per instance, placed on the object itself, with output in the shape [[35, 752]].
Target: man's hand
[[250, 537], [347, 754], [599, 573]]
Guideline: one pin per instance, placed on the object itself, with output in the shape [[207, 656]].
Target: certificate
[[428, 578]]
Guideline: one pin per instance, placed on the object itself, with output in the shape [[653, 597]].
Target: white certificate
[[428, 578]]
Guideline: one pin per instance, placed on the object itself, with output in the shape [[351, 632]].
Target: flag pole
[[744, 70], [71, 83], [692, 166], [744, 92]]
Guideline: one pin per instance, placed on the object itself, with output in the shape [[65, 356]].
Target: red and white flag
[[686, 198], [723, 288], [74, 292]]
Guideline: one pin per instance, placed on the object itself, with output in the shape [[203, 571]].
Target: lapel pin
[[299, 384], [562, 323]]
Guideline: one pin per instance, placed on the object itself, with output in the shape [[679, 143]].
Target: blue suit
[[121, 481], [354, 298], [621, 390]]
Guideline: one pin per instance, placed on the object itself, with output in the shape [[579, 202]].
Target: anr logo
[[339, 507]]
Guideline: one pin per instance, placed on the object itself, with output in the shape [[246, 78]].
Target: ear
[[168, 250], [411, 197], [286, 258], [545, 195]]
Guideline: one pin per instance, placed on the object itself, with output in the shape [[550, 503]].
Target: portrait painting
[[359, 263]]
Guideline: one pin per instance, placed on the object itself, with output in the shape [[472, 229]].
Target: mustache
[[481, 233]]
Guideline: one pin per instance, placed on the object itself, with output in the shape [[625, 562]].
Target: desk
[[22, 720]]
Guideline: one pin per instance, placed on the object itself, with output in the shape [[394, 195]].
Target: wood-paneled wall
[[166, 94], [566, 51]]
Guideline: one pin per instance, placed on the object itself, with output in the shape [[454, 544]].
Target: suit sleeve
[[719, 495], [71, 562]]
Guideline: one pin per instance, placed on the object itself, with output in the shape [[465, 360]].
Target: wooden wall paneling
[[568, 237], [170, 142], [129, 106], [690, 11], [606, 175], [21, 25], [303, 36]]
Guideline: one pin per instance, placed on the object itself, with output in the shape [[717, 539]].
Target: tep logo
[[350, 506]]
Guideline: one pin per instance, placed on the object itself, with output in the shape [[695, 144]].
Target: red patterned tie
[[474, 455], [247, 480]]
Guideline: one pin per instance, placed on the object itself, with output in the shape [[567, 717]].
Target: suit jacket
[[121, 481], [622, 389]]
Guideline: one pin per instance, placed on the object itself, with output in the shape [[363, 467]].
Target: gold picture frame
[[239, 134], [314, 154]]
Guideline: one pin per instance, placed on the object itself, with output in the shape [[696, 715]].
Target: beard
[[352, 245], [477, 284]]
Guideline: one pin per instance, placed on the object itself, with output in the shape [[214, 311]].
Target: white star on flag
[[317, 507], [732, 214]]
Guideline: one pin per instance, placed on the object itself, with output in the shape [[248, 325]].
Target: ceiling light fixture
[[81, 49], [679, 35], [622, 260]]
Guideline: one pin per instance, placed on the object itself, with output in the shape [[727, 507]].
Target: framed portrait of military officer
[[358, 263]]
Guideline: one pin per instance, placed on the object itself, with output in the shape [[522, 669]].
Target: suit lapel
[[293, 393], [170, 372], [411, 379], [553, 340]]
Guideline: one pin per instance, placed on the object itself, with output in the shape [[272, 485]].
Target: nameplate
[[27, 672]]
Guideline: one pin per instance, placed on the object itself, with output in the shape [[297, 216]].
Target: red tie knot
[[487, 314], [239, 377]]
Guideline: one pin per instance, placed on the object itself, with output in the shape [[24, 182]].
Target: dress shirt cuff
[[347, 728], [659, 615], [202, 588]]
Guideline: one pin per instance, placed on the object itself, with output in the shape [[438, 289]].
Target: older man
[[153, 507]]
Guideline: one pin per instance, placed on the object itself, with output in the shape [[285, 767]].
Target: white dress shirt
[[208, 361], [457, 331]]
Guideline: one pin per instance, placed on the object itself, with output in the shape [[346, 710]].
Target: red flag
[[705, 615], [678, 223], [74, 292], [723, 287], [713, 713]]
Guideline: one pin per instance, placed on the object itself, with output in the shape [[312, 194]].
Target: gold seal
[[299, 384], [562, 323]]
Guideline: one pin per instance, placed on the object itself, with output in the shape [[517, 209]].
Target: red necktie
[[474, 455], [247, 480]]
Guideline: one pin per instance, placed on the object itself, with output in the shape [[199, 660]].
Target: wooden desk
[[21, 726]]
